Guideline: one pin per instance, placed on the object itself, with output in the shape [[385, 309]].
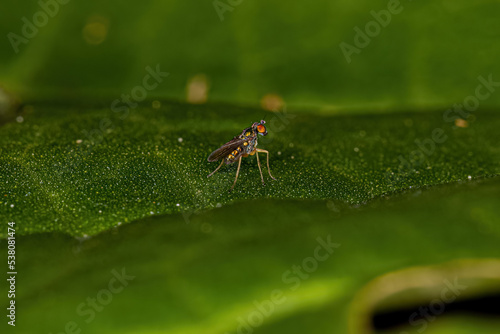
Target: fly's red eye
[[261, 128]]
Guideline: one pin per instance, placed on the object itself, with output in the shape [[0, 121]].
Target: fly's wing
[[226, 149]]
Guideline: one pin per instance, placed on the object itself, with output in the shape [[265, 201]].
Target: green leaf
[[211, 262], [202, 276], [83, 171], [409, 199]]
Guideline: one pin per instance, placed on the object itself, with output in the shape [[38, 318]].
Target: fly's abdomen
[[241, 151], [234, 155]]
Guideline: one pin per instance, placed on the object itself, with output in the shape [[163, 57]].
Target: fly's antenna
[[264, 117]]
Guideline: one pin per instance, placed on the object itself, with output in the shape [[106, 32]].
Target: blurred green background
[[429, 55], [138, 198]]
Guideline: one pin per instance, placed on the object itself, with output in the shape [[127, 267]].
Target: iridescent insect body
[[242, 146]]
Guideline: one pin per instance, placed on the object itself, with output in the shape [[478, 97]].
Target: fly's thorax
[[251, 144], [247, 133], [246, 148]]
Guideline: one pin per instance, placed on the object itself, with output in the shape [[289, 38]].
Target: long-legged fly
[[242, 146]]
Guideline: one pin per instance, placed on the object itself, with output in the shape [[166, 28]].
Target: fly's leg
[[222, 162], [237, 173], [268, 169], [260, 170]]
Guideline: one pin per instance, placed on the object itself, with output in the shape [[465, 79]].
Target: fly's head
[[260, 128]]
